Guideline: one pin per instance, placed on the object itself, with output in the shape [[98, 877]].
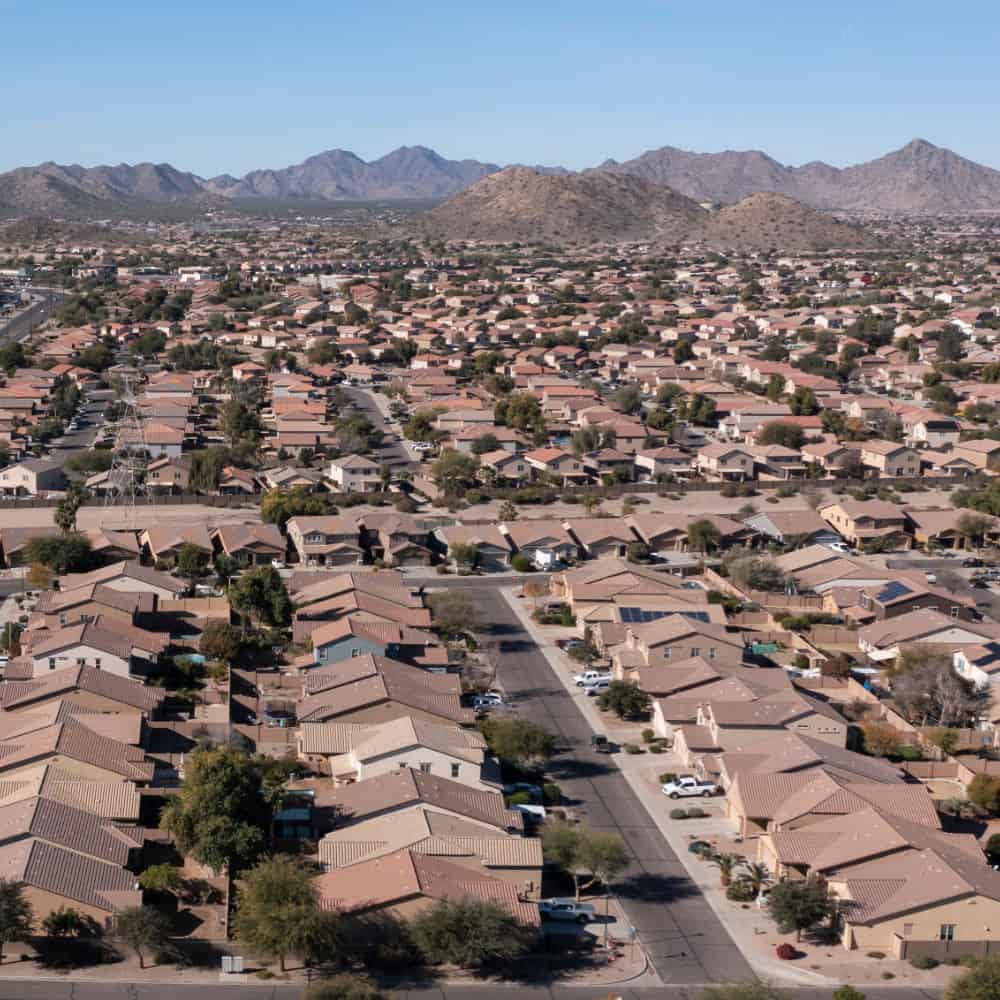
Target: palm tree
[[727, 864], [755, 875]]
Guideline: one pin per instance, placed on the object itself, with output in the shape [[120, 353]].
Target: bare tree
[[930, 693]]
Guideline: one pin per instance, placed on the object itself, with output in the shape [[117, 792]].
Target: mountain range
[[599, 206], [919, 178]]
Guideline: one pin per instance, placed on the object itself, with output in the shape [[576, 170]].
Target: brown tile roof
[[19, 694], [406, 874], [408, 787]]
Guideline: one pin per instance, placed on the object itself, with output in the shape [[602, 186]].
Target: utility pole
[[127, 475]]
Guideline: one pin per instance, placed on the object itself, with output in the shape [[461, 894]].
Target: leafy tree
[[67, 922], [625, 699], [455, 471], [981, 982], [66, 554], [191, 561], [86, 463], [280, 506], [785, 434], [207, 465], [803, 402], [628, 399], [277, 910], [378, 940], [220, 641], [589, 857], [974, 527], [951, 344], [161, 878], [143, 929], [946, 740], [260, 594], [220, 814], [984, 791], [465, 555], [470, 933], [520, 410], [484, 444], [344, 986], [703, 536], [755, 573], [66, 509], [775, 387], [15, 913], [799, 905], [518, 742], [238, 422]]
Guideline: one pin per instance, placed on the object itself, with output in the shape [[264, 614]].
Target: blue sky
[[217, 86]]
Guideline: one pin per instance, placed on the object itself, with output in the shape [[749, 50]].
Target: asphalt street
[[90, 418], [395, 452], [682, 936], [21, 325]]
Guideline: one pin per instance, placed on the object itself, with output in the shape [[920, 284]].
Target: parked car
[[687, 786], [601, 744], [567, 909], [586, 677], [597, 685], [531, 813], [484, 702], [971, 562], [534, 791], [842, 547], [278, 563]]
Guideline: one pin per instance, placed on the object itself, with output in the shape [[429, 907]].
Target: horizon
[[226, 90], [340, 149]]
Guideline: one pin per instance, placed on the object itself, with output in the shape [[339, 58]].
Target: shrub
[[551, 794], [656, 748], [888, 975], [667, 776], [632, 748], [520, 798], [786, 491], [786, 952], [648, 735], [520, 563], [740, 892], [924, 962], [678, 814], [696, 812], [473, 497], [876, 954]]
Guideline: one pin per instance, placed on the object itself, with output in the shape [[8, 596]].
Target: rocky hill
[[767, 220], [522, 204]]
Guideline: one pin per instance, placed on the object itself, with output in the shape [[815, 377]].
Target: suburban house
[[326, 540], [355, 474], [863, 522], [31, 477], [888, 458], [724, 461]]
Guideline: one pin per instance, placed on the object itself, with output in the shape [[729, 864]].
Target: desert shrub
[[667, 776], [924, 962], [678, 814], [632, 748], [520, 798], [656, 748], [696, 812], [740, 892], [551, 794], [520, 563], [648, 735], [876, 954]]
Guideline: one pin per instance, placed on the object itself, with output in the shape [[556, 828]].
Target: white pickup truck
[[590, 677], [687, 786]]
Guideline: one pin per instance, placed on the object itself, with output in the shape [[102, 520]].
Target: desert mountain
[[522, 204], [767, 220], [410, 172], [920, 177]]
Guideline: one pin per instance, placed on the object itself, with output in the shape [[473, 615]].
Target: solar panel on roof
[[893, 590], [637, 616]]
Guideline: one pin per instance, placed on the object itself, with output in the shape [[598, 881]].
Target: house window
[[52, 663], [81, 661], [696, 650], [711, 652], [355, 652], [907, 930], [947, 932], [455, 768], [321, 653], [425, 768], [668, 652], [954, 612], [97, 663], [62, 619]]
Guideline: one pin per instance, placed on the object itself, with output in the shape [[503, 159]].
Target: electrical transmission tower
[[127, 475]]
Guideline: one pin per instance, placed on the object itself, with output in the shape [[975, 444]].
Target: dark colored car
[[601, 744]]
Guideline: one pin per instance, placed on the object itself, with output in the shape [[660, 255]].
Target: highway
[[45, 301]]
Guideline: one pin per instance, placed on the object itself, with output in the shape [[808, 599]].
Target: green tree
[[191, 561], [220, 814], [703, 536], [260, 594], [799, 905], [280, 506], [66, 509], [67, 554], [981, 982], [589, 857], [628, 399], [220, 641], [803, 402], [484, 444], [785, 434], [161, 878], [67, 922], [466, 555], [15, 913], [775, 387], [455, 471], [520, 410], [984, 791], [277, 910], [143, 929], [470, 933], [518, 741], [626, 700]]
